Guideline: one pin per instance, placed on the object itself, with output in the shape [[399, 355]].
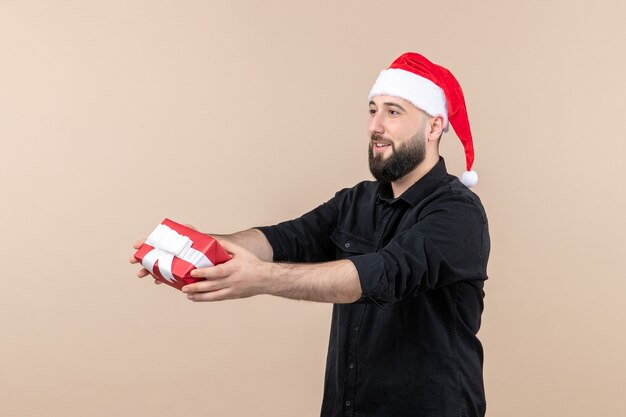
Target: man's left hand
[[243, 276]]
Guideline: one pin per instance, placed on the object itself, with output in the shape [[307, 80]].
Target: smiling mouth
[[380, 147]]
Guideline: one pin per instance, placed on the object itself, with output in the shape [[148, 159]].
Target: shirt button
[[356, 329], [351, 366], [348, 403], [347, 245]]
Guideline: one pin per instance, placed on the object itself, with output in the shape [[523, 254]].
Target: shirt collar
[[421, 189]]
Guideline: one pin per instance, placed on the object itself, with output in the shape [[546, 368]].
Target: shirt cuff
[[273, 238], [371, 270]]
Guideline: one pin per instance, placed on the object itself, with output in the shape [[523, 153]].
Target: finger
[[220, 295], [206, 286], [212, 272], [157, 282], [143, 272], [190, 226], [138, 243]]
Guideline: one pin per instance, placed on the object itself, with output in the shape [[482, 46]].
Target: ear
[[434, 128]]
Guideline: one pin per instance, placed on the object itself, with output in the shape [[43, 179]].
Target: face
[[397, 145]]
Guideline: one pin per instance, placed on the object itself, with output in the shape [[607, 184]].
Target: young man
[[402, 258]]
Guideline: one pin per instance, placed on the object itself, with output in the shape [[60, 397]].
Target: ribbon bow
[[168, 244]]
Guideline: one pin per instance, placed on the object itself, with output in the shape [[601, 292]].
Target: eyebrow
[[389, 103]]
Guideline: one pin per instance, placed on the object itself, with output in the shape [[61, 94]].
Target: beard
[[402, 160]]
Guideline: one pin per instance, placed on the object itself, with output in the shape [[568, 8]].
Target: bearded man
[[403, 259]]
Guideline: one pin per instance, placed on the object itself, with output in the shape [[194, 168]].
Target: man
[[402, 258]]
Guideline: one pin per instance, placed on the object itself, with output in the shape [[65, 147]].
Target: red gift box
[[172, 251]]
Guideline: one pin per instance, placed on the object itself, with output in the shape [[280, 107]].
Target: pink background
[[227, 115]]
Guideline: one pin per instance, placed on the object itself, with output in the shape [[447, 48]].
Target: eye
[[393, 112], [372, 111]]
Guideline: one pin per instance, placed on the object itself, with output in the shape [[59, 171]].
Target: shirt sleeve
[[449, 244], [307, 238]]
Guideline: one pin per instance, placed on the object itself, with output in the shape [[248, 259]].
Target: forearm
[[252, 240], [330, 282], [246, 275]]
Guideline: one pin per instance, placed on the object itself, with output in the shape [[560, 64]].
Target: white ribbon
[[168, 243]]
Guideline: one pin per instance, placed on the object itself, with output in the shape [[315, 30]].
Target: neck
[[402, 184]]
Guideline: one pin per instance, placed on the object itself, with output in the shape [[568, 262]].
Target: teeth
[[380, 145]]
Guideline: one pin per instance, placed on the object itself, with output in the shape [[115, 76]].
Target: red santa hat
[[433, 89]]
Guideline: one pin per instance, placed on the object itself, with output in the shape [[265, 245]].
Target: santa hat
[[433, 89]]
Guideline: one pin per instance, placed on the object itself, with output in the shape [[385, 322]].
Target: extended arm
[[305, 239], [246, 275]]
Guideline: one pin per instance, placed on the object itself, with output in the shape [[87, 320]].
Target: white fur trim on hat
[[423, 93]]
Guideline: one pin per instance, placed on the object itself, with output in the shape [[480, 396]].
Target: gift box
[[172, 251]]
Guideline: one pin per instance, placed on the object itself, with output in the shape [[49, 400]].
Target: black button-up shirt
[[408, 347]]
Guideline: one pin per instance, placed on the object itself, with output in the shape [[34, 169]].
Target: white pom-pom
[[469, 178]]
